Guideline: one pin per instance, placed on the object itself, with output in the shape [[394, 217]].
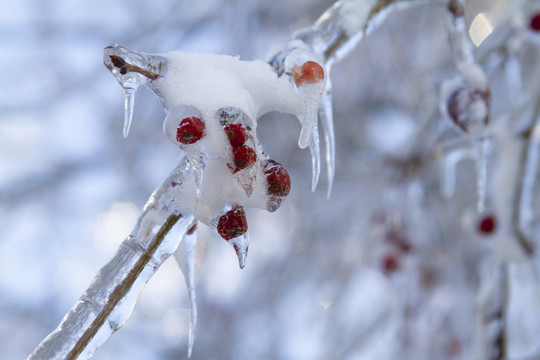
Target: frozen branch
[[108, 302], [522, 215]]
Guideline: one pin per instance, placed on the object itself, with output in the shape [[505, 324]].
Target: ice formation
[[212, 104], [466, 100]]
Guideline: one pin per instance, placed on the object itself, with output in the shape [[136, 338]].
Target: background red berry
[[534, 23], [487, 224], [233, 223], [390, 263], [190, 130], [237, 134], [279, 182], [243, 157], [310, 72]]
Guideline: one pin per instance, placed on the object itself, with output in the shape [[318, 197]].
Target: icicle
[[314, 148], [450, 163], [241, 246], [327, 120], [481, 173], [185, 258], [129, 103], [132, 69], [512, 70]]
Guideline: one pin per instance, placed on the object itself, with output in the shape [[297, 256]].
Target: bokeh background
[[386, 268]]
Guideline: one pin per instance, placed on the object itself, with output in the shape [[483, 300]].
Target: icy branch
[[527, 181], [109, 300]]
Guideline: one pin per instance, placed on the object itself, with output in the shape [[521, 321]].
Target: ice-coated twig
[[528, 169], [457, 32], [339, 29], [493, 299], [466, 99], [185, 258], [333, 36], [109, 300]]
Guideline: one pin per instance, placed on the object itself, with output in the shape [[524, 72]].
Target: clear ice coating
[[108, 302]]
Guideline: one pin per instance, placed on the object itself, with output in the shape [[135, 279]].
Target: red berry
[[243, 157], [237, 134], [279, 182], [309, 73], [233, 223], [190, 130], [534, 23], [487, 224], [390, 263]]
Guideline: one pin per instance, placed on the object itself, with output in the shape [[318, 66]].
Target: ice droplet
[[314, 148], [129, 103], [185, 258], [241, 246]]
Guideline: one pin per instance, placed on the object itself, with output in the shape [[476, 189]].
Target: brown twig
[[123, 288], [125, 67]]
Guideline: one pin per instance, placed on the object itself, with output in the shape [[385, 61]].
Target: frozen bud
[[468, 107], [233, 223], [243, 157], [309, 73], [237, 134], [277, 178], [190, 130]]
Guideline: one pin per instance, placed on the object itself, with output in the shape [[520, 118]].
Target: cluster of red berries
[[243, 155], [233, 223]]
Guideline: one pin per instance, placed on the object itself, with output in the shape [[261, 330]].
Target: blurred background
[[386, 268]]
